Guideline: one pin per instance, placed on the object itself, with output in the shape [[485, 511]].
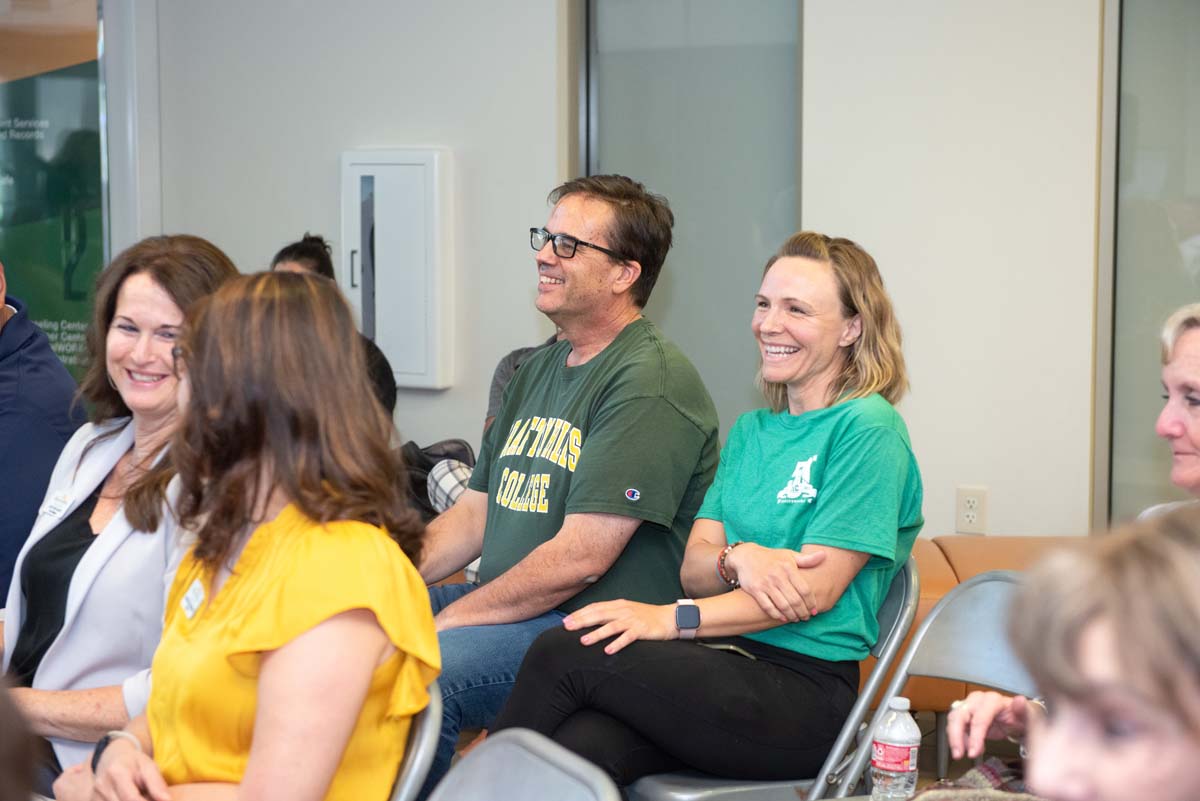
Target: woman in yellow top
[[298, 640]]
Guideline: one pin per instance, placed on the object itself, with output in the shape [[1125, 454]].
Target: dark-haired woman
[[84, 612], [312, 254], [298, 641]]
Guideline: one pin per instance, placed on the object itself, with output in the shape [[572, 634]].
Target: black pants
[[660, 706]]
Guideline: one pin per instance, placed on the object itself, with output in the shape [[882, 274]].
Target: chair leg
[[943, 744]]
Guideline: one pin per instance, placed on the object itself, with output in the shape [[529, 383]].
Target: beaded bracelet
[[721, 571]]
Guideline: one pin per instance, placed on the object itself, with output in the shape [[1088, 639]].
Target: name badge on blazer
[[58, 505], [193, 598]]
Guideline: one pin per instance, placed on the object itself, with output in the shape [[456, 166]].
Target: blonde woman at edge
[[986, 715]]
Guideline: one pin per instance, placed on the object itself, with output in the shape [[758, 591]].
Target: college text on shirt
[[551, 439]]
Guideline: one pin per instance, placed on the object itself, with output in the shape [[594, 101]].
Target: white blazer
[[114, 613]]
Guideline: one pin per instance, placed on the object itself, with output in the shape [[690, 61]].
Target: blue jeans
[[479, 666]]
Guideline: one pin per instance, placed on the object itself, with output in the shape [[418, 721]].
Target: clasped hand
[[775, 578]]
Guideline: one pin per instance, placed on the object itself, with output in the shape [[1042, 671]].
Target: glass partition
[[51, 237], [1158, 232], [699, 99]]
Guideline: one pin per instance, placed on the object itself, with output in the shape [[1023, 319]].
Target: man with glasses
[[598, 459]]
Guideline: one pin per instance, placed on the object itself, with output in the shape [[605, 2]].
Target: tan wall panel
[[23, 53]]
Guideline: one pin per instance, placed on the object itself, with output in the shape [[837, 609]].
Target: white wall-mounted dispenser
[[397, 258]]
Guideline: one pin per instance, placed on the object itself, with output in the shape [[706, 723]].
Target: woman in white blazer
[[84, 611]]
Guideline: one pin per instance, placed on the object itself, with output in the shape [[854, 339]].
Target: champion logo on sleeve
[[632, 494]]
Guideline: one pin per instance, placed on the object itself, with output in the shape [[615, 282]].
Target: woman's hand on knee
[[627, 621]]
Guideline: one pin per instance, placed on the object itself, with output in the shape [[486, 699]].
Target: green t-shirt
[[843, 476], [631, 432]]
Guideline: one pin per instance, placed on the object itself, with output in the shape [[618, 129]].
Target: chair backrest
[[418, 753], [899, 603], [520, 764], [964, 638], [895, 618]]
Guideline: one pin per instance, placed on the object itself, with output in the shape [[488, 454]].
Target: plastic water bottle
[[894, 754]]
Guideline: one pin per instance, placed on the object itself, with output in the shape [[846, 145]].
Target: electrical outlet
[[970, 510]]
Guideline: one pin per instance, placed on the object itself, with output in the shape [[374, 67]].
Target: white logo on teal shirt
[[799, 488]]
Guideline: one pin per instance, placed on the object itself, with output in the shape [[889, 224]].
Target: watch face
[[687, 617]]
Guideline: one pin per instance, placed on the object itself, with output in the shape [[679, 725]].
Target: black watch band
[[106, 741], [101, 744]]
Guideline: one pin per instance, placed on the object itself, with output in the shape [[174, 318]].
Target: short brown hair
[[278, 383], [642, 223], [1144, 581], [187, 268], [875, 362]]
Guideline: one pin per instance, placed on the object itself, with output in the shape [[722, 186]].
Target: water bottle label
[[893, 758]]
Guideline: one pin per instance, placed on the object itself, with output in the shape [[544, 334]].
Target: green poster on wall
[[51, 237]]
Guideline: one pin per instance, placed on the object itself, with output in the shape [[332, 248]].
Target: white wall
[[258, 100], [957, 142]]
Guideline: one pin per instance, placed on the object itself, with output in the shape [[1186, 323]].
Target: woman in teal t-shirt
[[813, 510]]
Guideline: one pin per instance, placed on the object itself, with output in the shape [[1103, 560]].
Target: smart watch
[[687, 618]]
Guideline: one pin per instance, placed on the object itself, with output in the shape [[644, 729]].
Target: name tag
[[58, 504], [192, 599]]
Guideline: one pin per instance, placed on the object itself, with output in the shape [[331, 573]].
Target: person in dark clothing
[[36, 420], [312, 254]]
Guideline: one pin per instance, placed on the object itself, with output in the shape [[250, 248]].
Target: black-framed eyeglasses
[[564, 245]]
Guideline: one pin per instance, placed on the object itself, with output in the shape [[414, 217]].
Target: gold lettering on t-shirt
[[522, 504], [541, 426], [549, 438], [515, 435], [555, 437], [574, 448], [535, 424], [522, 493], [508, 441], [539, 449], [510, 485]]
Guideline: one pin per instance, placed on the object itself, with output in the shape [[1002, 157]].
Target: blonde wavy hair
[[875, 362]]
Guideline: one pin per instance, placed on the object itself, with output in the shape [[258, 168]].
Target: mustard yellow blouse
[[293, 574]]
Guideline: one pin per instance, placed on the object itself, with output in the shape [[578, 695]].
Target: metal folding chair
[[963, 638], [418, 754], [520, 764], [895, 619]]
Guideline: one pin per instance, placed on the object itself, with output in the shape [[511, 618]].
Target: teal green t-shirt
[[632, 432], [843, 476]]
